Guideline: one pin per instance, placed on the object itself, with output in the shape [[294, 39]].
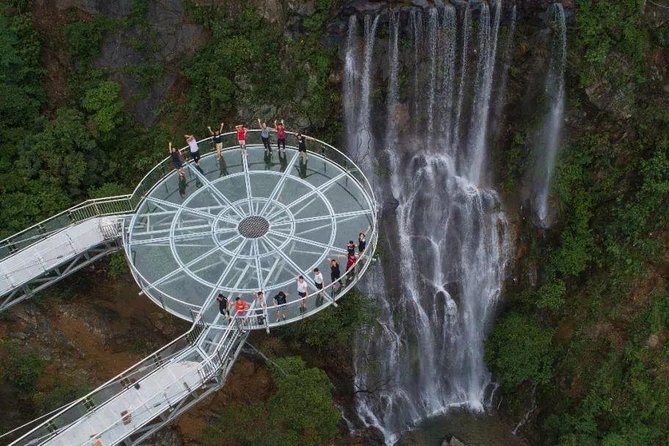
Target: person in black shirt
[[335, 273], [280, 299], [362, 242], [223, 305], [217, 139], [302, 146], [176, 158]]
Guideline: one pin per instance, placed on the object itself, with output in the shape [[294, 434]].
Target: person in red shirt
[[240, 307], [241, 137], [280, 135], [350, 264]]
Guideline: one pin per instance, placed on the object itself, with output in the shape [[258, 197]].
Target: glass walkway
[[235, 226]]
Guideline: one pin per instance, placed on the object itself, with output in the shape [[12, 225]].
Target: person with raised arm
[[241, 137], [264, 135], [217, 139], [194, 149], [176, 158], [280, 129]]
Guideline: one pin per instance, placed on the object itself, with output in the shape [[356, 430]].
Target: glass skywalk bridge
[[235, 225]]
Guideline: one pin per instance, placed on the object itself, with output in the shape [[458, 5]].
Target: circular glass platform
[[243, 224]]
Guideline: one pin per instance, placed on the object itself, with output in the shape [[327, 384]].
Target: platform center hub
[[254, 226]]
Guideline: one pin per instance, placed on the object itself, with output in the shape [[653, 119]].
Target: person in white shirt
[[302, 292], [194, 149], [318, 281], [260, 308]]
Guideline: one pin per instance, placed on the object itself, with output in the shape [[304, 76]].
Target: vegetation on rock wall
[[300, 412], [591, 335]]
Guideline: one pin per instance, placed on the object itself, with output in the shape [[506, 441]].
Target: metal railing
[[213, 342], [128, 203], [214, 364], [97, 207], [293, 310]]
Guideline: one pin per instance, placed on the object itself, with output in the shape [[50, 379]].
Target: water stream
[[549, 138], [445, 233]]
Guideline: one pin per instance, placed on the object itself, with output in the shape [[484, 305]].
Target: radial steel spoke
[[168, 238], [182, 208], [212, 188], [293, 265], [309, 242], [323, 187], [258, 269], [324, 217], [247, 181], [279, 185]]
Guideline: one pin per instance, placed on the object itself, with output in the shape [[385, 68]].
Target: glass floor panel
[[238, 225]]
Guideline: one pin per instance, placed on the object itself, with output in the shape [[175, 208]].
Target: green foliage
[[248, 65], [104, 105], [85, 40], [551, 296], [108, 190], [518, 350], [21, 367], [20, 73], [118, 266], [604, 27], [301, 412], [147, 74], [332, 330], [59, 395]]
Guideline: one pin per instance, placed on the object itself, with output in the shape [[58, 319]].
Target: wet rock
[[116, 8], [421, 3], [452, 440], [653, 341], [408, 439], [370, 436], [270, 10], [364, 6], [304, 8], [165, 437], [615, 99]]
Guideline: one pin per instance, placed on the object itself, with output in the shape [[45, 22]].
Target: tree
[[301, 412], [518, 350], [105, 106]]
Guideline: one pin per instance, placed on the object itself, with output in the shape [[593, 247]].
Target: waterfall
[[504, 75], [550, 134], [446, 235], [351, 81], [466, 29], [487, 51]]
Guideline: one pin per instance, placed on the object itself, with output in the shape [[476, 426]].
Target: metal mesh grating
[[253, 227]]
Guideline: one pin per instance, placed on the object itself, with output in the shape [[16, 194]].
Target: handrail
[[128, 203], [193, 340], [95, 207], [361, 265]]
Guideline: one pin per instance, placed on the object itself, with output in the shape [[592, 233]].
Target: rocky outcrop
[[617, 100], [452, 440]]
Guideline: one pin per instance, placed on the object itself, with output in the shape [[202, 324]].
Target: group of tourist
[[242, 130], [239, 306]]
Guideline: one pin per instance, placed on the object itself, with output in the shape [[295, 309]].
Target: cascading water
[[550, 134], [446, 237]]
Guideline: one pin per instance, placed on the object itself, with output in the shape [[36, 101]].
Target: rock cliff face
[[164, 37]]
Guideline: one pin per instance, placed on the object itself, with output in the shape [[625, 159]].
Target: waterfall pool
[[472, 429]]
